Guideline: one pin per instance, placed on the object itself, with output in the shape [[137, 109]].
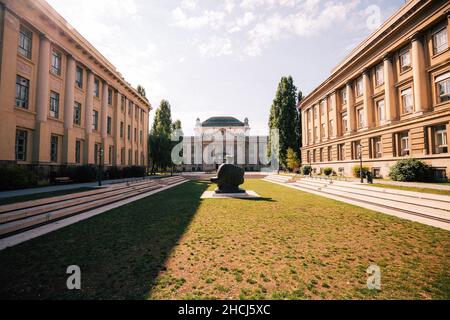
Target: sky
[[224, 57]]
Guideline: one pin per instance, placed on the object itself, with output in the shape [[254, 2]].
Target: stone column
[[351, 108], [420, 75], [307, 127], [319, 121], [43, 85], [390, 100], [41, 140], [104, 111], [304, 128], [327, 119], [368, 103], [337, 117], [89, 107], [69, 99], [117, 141]]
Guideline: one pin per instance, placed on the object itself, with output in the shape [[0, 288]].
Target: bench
[[63, 180]]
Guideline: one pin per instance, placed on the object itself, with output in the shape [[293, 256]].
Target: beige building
[[61, 101], [389, 98]]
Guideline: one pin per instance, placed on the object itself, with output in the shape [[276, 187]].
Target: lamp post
[[361, 164], [100, 167]]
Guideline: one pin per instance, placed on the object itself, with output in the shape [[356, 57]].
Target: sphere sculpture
[[229, 178]]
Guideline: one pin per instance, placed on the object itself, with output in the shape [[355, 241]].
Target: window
[[440, 40], [321, 155], [379, 75], [95, 120], [136, 157], [121, 129], [25, 42], [380, 111], [79, 77], [110, 96], [22, 92], [341, 152], [405, 59], [331, 127], [77, 114], [403, 144], [407, 100], [135, 135], [316, 112], [440, 139], [136, 112], [56, 63], [54, 149], [110, 154], [140, 137], [360, 113], [130, 157], [322, 108], [142, 116], [330, 153], [316, 134], [97, 88], [376, 147], [97, 154], [54, 104], [345, 123], [122, 156], [130, 108], [344, 96], [129, 132], [108, 125], [323, 131], [359, 87], [78, 151], [122, 104], [356, 150], [443, 87], [21, 145]]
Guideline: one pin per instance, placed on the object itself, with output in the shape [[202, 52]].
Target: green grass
[[289, 245], [415, 189], [37, 196]]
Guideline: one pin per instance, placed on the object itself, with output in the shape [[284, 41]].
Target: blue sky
[[210, 57]]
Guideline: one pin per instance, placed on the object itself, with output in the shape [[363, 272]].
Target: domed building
[[220, 140]]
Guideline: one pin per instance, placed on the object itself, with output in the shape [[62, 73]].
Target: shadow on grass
[[120, 252]]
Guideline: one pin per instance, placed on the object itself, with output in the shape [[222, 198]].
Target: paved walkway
[[24, 192]]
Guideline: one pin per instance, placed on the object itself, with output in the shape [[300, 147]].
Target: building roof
[[223, 122]]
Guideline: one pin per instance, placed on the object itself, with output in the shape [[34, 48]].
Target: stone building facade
[[223, 140], [388, 100], [61, 102]]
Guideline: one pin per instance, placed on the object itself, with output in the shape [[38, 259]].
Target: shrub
[[328, 171], [134, 172], [411, 170], [17, 177], [356, 171], [306, 170]]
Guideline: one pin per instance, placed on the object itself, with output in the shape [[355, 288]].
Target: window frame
[[379, 76], [25, 34], [403, 98], [439, 49], [56, 63], [440, 131], [54, 145], [24, 139], [77, 113], [403, 53], [22, 90], [95, 120], [54, 104], [443, 78], [79, 77]]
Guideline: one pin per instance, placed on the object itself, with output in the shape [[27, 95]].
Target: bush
[[134, 172], [328, 171], [356, 171], [411, 170], [17, 177], [83, 174], [306, 170]]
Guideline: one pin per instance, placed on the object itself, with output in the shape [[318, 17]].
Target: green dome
[[223, 122]]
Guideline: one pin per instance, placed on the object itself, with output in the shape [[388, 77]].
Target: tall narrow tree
[[160, 143], [284, 116]]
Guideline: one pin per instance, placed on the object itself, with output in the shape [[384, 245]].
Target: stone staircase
[[23, 216], [434, 209]]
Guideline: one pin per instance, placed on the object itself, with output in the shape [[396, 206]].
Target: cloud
[[215, 47], [209, 18], [188, 4], [311, 20], [242, 22]]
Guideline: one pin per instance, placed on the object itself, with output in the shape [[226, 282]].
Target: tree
[[141, 91], [177, 126], [285, 117], [162, 125], [292, 160]]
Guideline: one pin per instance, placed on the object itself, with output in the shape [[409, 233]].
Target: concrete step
[[439, 214], [37, 220], [35, 203], [28, 212], [278, 178]]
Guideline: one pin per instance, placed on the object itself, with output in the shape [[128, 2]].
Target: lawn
[[289, 245], [415, 189], [44, 195]]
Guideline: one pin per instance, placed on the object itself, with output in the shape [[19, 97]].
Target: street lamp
[[361, 164], [100, 169]]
